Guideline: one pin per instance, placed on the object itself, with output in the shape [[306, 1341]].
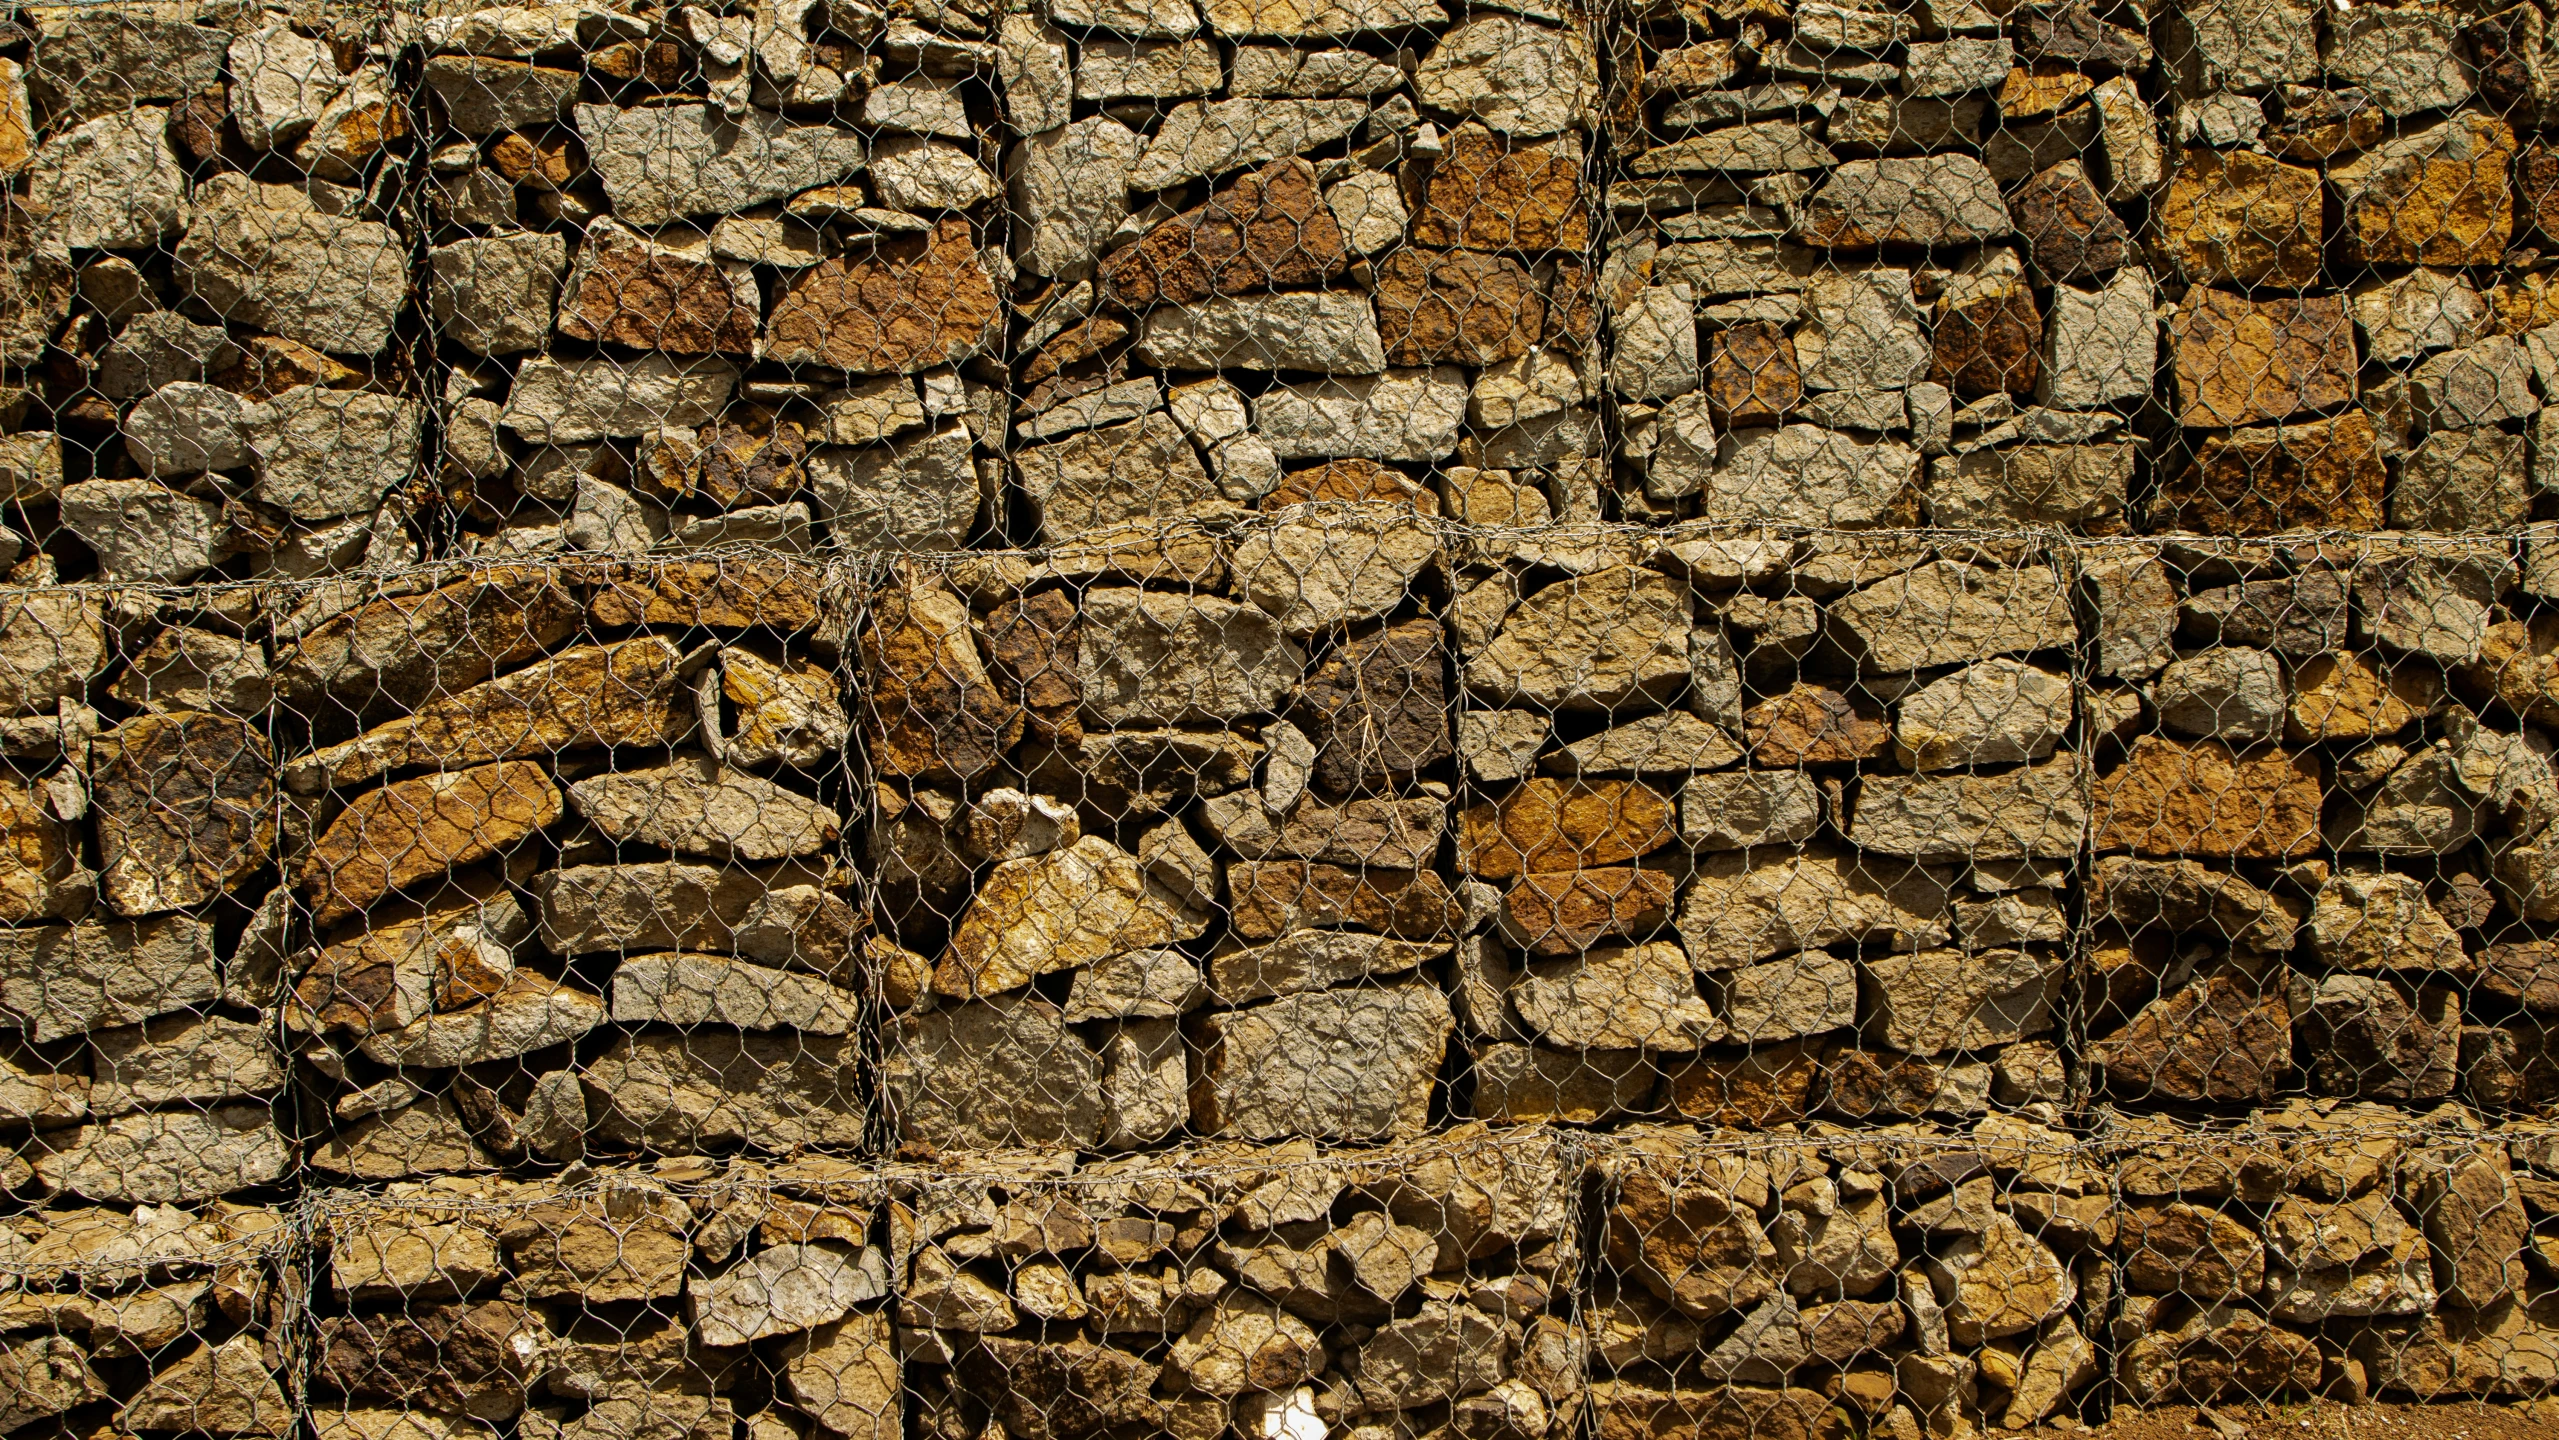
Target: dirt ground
[[2325, 1420]]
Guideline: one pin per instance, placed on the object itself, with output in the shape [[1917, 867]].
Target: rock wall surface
[[1286, 717]]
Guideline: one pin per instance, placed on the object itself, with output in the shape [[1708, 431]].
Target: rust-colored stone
[[2201, 799], [2435, 197], [1562, 825], [1377, 707], [2323, 474], [2071, 233], [1361, 480], [1813, 725], [1768, 1085], [2217, 1040], [1473, 309], [1483, 195], [183, 809], [628, 291], [770, 593], [908, 306], [1567, 912], [1986, 343], [413, 830], [1751, 375], [1031, 649], [1270, 230], [1270, 898], [935, 711], [2537, 190], [2237, 217], [2239, 361]]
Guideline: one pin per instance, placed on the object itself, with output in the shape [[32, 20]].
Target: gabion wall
[[924, 721]]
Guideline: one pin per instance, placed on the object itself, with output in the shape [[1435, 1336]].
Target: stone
[[1204, 138], [2482, 384], [222, 1389], [2459, 480], [919, 176], [1998, 1283], [1445, 1351], [2310, 473], [45, 1375], [2239, 361], [1311, 960], [1174, 659], [1656, 353], [718, 1089], [920, 494], [1321, 567], [1759, 147], [2182, 895], [1565, 912], [63, 980], [1376, 707], [526, 1015], [566, 402], [2362, 1036], [1812, 725], [694, 807], [908, 305], [1057, 911], [1142, 70], [1951, 67], [1558, 825], [2435, 196], [1636, 997], [1138, 984], [142, 531], [936, 710], [1334, 332], [1949, 613], [183, 809], [845, 1374], [2340, 696], [2202, 799], [785, 1289], [2431, 601], [2331, 1261], [658, 164], [110, 183], [2408, 61], [1940, 1000], [1515, 77], [1986, 334], [332, 282], [1671, 744], [1931, 200], [2189, 1250], [2019, 814], [1492, 193], [1265, 231], [2409, 316], [1272, 898], [2233, 693], [1992, 712], [1800, 995], [182, 1058], [157, 348], [440, 1358], [1460, 306], [1744, 809], [2466, 1202], [1752, 375], [162, 1157], [2237, 217], [2212, 1041], [2070, 231], [1243, 1342], [628, 290], [2247, 48], [413, 830], [319, 454], [1743, 909], [2030, 485], [2100, 347], [1336, 1064], [1402, 415], [1862, 331], [1596, 642]]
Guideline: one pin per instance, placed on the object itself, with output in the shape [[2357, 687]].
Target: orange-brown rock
[[1572, 322], [1567, 912], [1435, 306], [1562, 825], [746, 458], [767, 593], [629, 291], [1076, 344], [1986, 337], [935, 711], [1751, 375], [402, 650], [2537, 189], [1485, 195], [2218, 1040], [1767, 1085], [1270, 898], [2239, 361], [2071, 233], [1270, 230], [1031, 650], [2320, 125], [413, 830], [1362, 480], [2518, 665], [2201, 799], [2435, 197], [2237, 217], [907, 306], [1813, 725], [2318, 474], [184, 807]]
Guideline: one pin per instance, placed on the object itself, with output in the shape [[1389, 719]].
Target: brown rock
[[269, 365], [2041, 91], [2237, 217], [184, 806], [2073, 33], [452, 1359], [2189, 1250], [40, 874], [1377, 708], [1986, 339], [1625, 1410], [629, 291], [1883, 1084], [1273, 897], [1270, 230], [2071, 233], [2342, 696], [2475, 1224], [1031, 647], [2523, 973], [1813, 725], [2537, 189], [748, 458], [407, 649], [2367, 1036], [906, 306], [1842, 1331], [2314, 124], [1075, 345], [624, 1244], [1562, 825], [1456, 305], [2435, 197], [1354, 480], [2240, 361], [1484, 195], [1767, 1086], [2201, 799], [1696, 1246], [2214, 1041], [2305, 474], [934, 709], [1567, 912], [773, 593], [1572, 296], [411, 830], [1751, 375]]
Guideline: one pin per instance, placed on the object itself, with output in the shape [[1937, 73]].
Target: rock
[[563, 402], [694, 807], [1801, 995], [1172, 659], [2302, 473], [1272, 898], [528, 1014], [1740, 810], [2248, 49], [182, 1058], [332, 282], [658, 164], [1636, 997], [1071, 186], [936, 710], [221, 1389], [2237, 217], [1489, 193], [2362, 1036], [922, 494], [1761, 147], [1057, 911], [2187, 1249], [2181, 896], [492, 295], [185, 427], [1941, 1000], [909, 305], [1517, 78], [2069, 230], [1997, 1283], [64, 980], [1204, 138], [1402, 415], [2466, 1201], [784, 1289], [845, 1375], [1244, 1343], [719, 1089], [2431, 601], [1752, 375], [2101, 347], [628, 290], [1316, 569], [320, 454], [2030, 485], [160, 347], [1445, 1351], [1141, 70], [1459, 306], [1345, 1064], [1376, 707], [2435, 196], [2340, 697], [412, 830], [46, 1376], [1566, 912], [2462, 480], [1930, 200], [1138, 984], [2019, 814], [163, 1157], [1986, 334], [1317, 74], [2234, 693], [1399, 835], [946, 1066], [1671, 744], [1990, 713], [1554, 825], [1265, 231], [2298, 617], [919, 176], [1328, 331], [2482, 384], [2407, 61], [111, 183], [1947, 613], [1599, 641], [1656, 353], [2405, 318], [182, 804], [2201, 799], [2239, 361], [142, 531], [1743, 909], [2212, 1041], [2419, 808], [1861, 331], [1812, 725]]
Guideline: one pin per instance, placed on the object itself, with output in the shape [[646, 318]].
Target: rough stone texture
[[906, 305], [2240, 361]]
